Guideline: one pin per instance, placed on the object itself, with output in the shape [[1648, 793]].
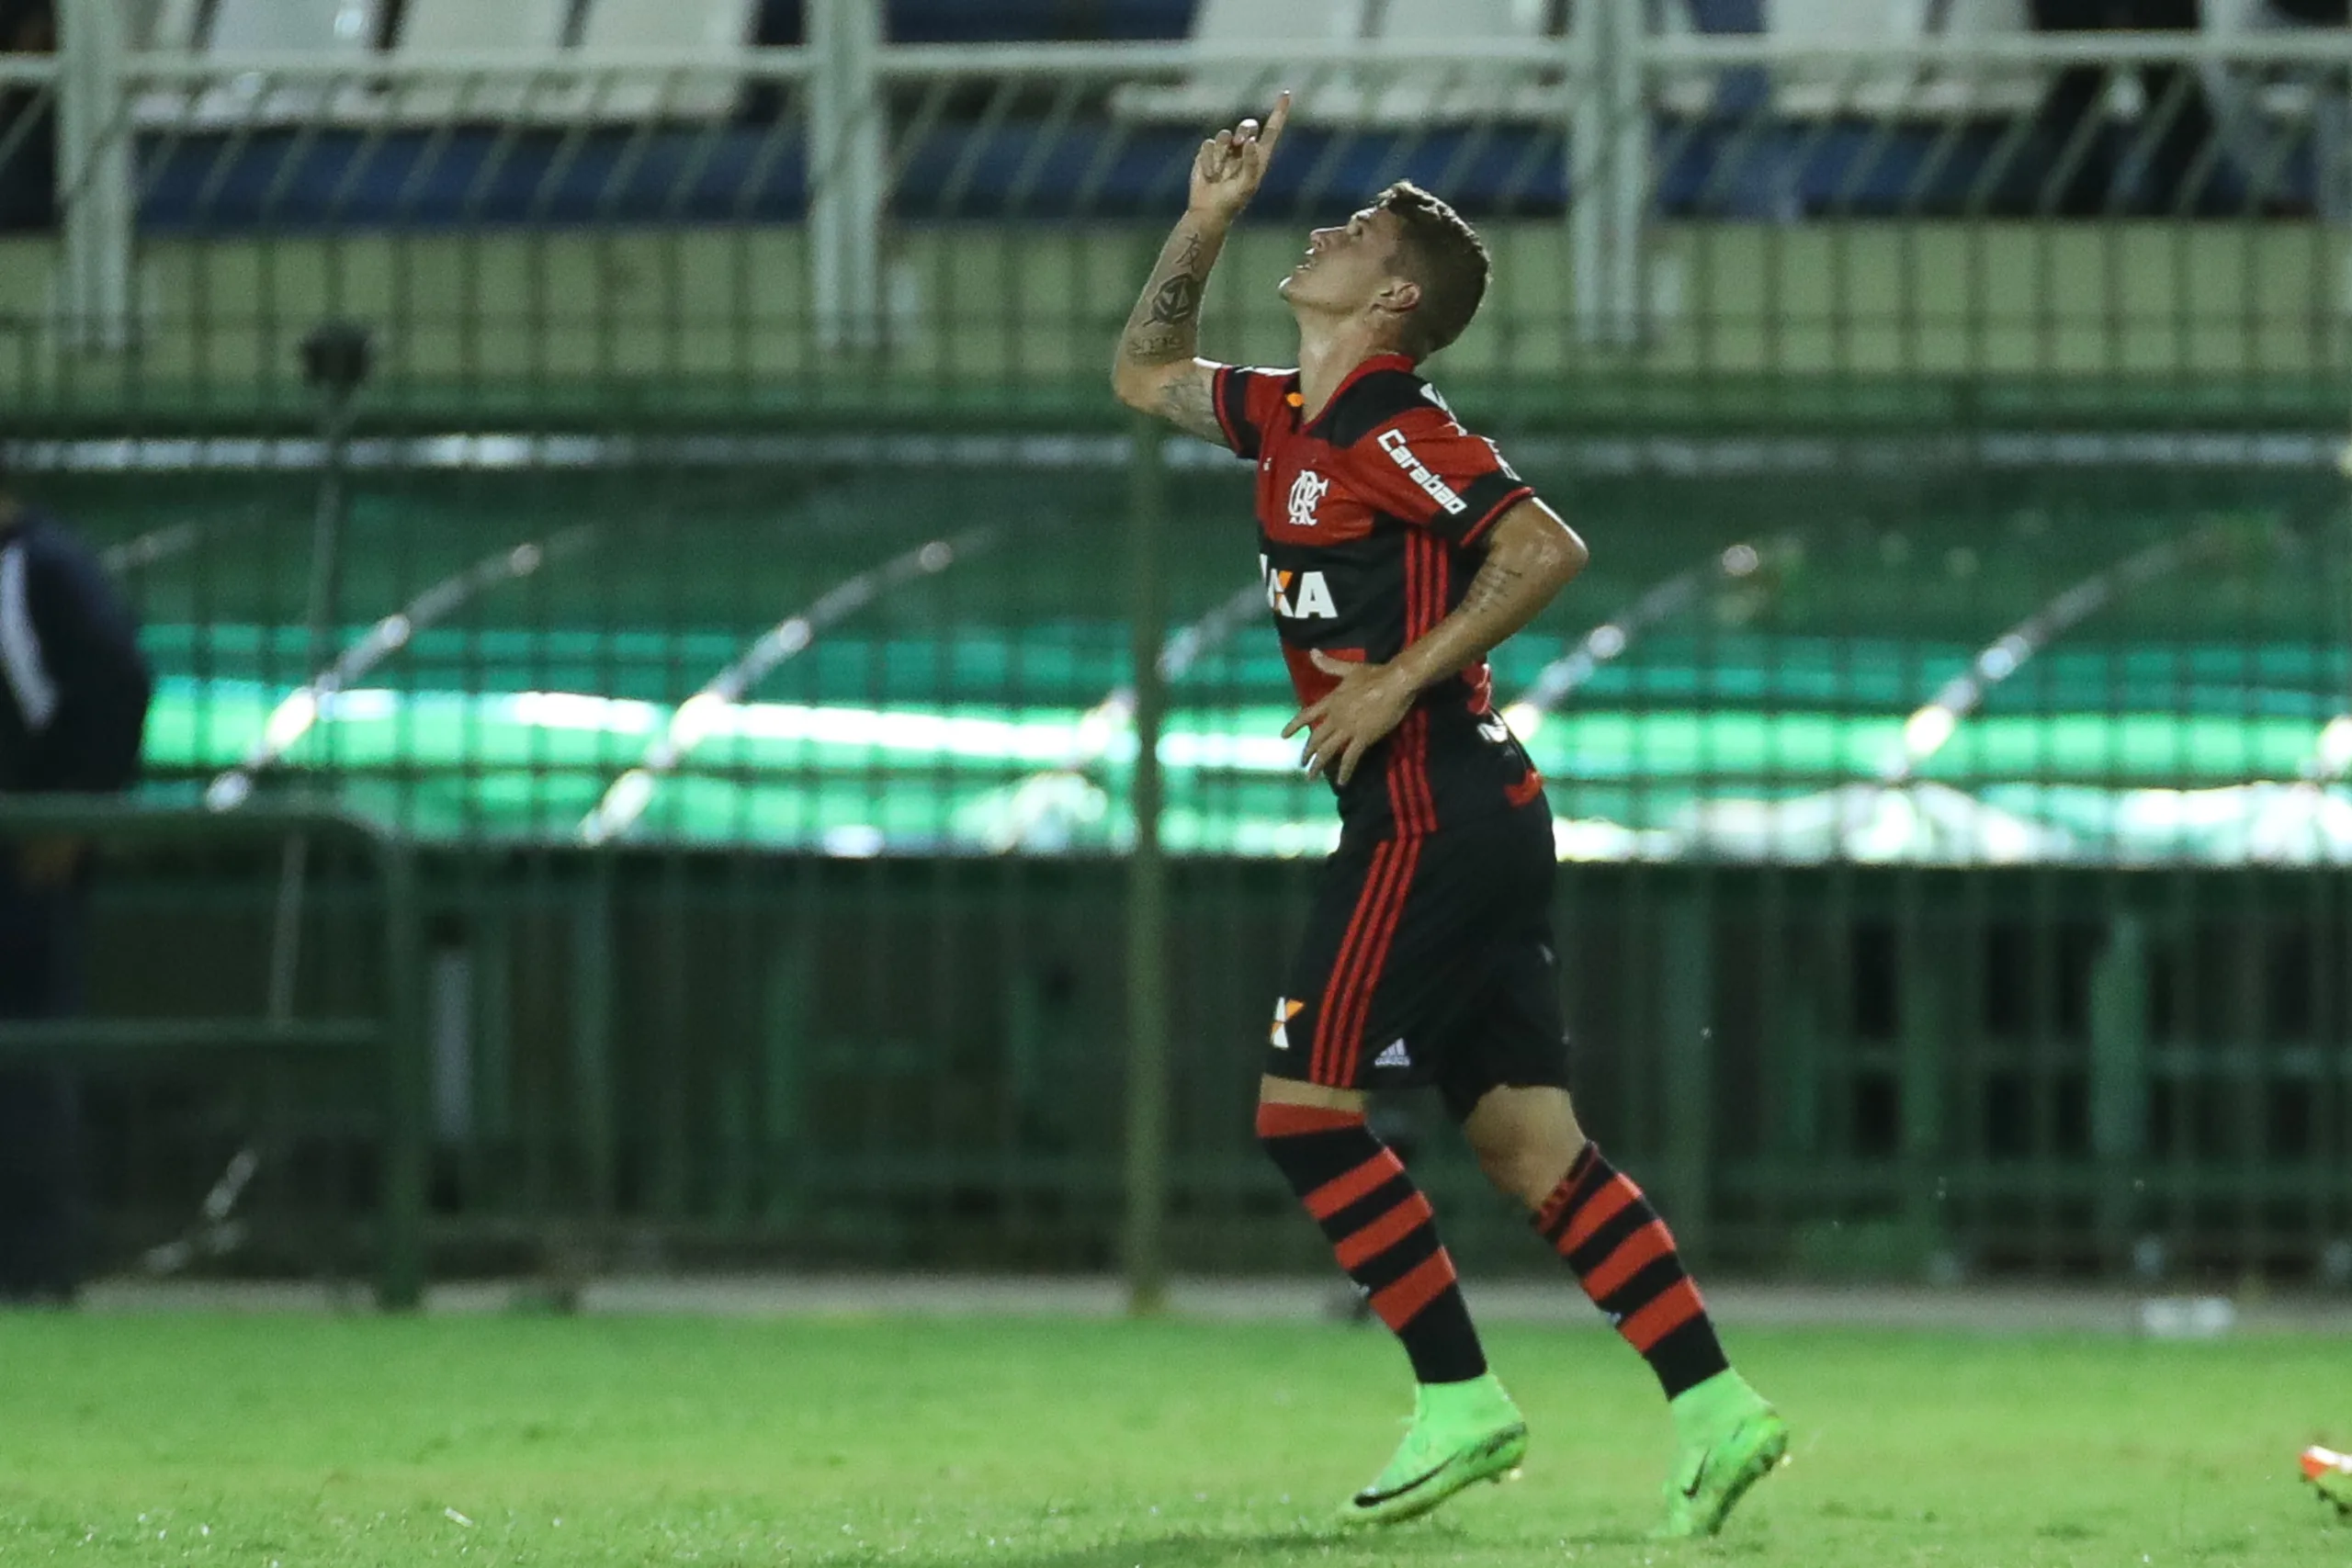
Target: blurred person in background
[[27, 123], [2163, 150], [73, 692]]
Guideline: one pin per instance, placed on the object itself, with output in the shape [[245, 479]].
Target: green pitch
[[302, 1441]]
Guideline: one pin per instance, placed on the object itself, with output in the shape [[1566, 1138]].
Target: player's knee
[[1525, 1169]]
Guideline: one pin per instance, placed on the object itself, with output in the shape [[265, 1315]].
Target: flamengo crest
[[1306, 494]]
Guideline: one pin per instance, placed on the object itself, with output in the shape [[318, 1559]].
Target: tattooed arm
[[1530, 555], [1156, 370]]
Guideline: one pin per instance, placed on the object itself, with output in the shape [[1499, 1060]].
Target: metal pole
[[335, 363], [1143, 1241], [93, 179], [847, 129], [1686, 1015], [594, 1091], [1609, 172], [2119, 1078], [400, 1280]]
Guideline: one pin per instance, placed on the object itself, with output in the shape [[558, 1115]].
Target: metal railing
[[381, 1045], [737, 224]]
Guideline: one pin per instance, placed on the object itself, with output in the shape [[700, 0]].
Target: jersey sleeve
[[1424, 467], [1248, 399]]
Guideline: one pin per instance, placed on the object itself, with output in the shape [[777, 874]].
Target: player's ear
[[1398, 297]]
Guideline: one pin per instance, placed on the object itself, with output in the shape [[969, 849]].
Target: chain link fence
[[735, 601]]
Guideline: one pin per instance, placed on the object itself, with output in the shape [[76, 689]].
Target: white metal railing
[[859, 105]]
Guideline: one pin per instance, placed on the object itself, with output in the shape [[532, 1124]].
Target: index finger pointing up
[[1274, 123]]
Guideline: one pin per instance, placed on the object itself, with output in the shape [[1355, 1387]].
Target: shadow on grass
[[1201, 1549], [1183, 1549]]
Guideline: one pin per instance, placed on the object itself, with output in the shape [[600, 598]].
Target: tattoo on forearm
[[1530, 557], [1165, 321], [1497, 584], [1157, 347], [1176, 300]]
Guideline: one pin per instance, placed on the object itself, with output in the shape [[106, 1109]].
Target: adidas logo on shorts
[[1395, 1056]]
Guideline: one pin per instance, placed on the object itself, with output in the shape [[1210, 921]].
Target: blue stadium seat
[[720, 159], [288, 180], [961, 21]]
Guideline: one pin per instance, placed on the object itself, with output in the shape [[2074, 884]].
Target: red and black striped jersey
[[1368, 519]]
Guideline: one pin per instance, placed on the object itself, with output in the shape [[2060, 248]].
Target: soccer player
[[1397, 550]]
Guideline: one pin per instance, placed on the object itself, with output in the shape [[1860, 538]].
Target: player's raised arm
[[1156, 370]]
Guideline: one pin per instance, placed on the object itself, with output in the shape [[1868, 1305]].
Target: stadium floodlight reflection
[[1931, 728], [716, 707], [1038, 809], [301, 710], [1559, 680]]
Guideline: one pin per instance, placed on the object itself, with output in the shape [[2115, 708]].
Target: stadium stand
[[329, 29], [1221, 92], [1356, 95], [1034, 21], [468, 26], [1745, 143], [456, 26], [1481, 92], [294, 27], [619, 27], [1821, 91], [170, 26], [2266, 120]]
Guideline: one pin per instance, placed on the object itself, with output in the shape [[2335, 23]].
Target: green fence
[[1947, 739], [853, 987]]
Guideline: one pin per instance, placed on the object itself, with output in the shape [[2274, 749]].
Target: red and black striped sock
[[1382, 1230], [1624, 1257]]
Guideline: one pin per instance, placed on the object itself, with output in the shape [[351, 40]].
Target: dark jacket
[[74, 686]]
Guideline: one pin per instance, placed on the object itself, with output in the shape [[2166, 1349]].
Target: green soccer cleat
[[1731, 1440], [2330, 1473], [1460, 1434]]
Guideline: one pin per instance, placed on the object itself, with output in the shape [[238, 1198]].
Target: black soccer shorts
[[1429, 960]]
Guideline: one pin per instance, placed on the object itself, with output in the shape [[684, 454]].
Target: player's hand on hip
[[1227, 173], [1352, 718]]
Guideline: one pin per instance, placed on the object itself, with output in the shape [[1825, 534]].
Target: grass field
[[300, 1441]]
